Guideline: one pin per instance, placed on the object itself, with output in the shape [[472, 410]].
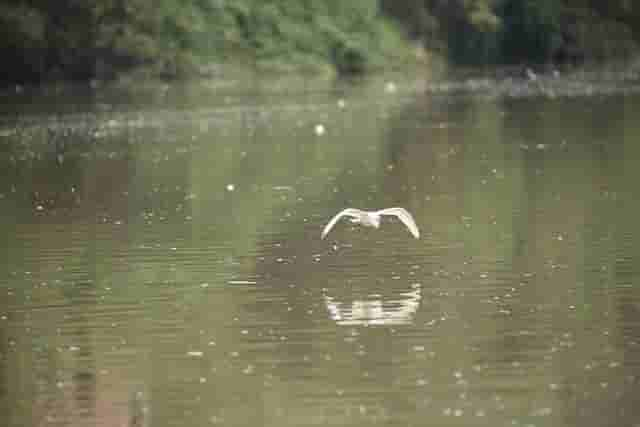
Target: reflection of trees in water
[[70, 396], [78, 184], [539, 184], [81, 168], [63, 375], [5, 404], [83, 300], [573, 238], [424, 155]]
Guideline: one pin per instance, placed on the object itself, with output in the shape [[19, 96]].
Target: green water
[[163, 264]]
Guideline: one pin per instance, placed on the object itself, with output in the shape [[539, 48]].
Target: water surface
[[163, 263]]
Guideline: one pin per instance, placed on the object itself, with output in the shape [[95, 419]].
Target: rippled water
[[163, 263]]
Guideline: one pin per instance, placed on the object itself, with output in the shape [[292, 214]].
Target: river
[[163, 263]]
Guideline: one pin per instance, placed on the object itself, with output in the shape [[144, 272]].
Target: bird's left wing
[[346, 212], [404, 216]]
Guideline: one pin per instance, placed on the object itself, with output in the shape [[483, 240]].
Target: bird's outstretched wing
[[403, 216], [355, 213]]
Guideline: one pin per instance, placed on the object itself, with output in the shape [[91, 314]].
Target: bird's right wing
[[355, 213], [404, 216]]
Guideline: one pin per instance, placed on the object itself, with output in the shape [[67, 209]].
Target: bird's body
[[372, 219]]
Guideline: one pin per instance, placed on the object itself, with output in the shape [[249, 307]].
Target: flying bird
[[372, 219]]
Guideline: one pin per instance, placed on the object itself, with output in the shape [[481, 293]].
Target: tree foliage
[[97, 37], [513, 31], [88, 38]]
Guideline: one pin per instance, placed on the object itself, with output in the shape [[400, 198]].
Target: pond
[[163, 264]]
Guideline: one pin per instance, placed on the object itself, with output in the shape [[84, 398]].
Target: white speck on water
[[341, 103], [541, 146], [319, 129], [390, 87], [230, 187], [195, 353], [542, 412], [203, 380]]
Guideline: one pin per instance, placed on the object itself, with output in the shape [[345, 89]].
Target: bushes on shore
[[42, 39], [174, 37], [529, 31]]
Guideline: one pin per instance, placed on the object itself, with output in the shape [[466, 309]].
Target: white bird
[[372, 219]]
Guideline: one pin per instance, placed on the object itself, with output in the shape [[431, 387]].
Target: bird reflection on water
[[398, 310]]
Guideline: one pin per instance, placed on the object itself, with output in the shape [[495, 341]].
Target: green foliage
[[99, 37], [84, 39], [351, 35], [22, 39], [532, 29], [515, 31]]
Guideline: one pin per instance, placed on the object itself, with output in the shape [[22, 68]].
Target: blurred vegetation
[[83, 39], [523, 31], [99, 38]]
